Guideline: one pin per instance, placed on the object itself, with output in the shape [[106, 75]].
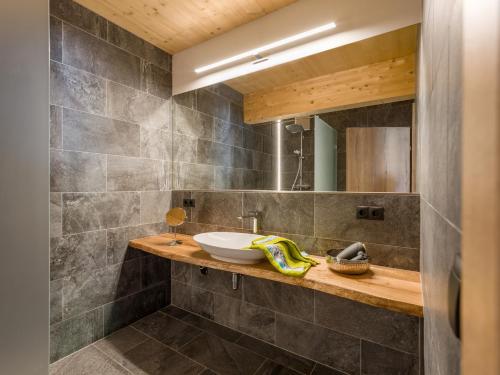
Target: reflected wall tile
[[227, 133], [212, 104], [193, 176], [190, 122]]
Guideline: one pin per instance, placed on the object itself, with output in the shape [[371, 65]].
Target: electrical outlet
[[188, 203], [362, 212], [376, 213]]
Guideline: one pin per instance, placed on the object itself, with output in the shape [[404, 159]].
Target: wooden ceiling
[[398, 43], [174, 25]]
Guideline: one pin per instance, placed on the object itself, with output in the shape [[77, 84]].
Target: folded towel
[[284, 255]]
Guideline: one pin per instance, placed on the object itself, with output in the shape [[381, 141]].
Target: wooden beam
[[384, 81]]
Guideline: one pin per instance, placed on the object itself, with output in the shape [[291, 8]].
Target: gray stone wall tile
[[217, 208], [202, 302], [156, 81], [227, 92], [72, 334], [76, 253], [86, 132], [227, 133], [127, 104], [335, 217], [88, 289], [184, 148], [55, 126], [333, 349], [181, 295], [55, 214], [376, 359], [216, 281], [154, 206], [193, 176], [55, 39], [193, 123], [55, 301], [208, 152], [81, 17], [388, 328], [243, 158], [156, 144], [137, 46], [186, 99], [182, 272], [73, 88], [135, 174], [77, 171], [117, 240], [154, 270], [96, 56], [84, 212], [245, 317], [212, 104], [282, 212], [287, 299], [228, 178], [251, 139], [236, 113]]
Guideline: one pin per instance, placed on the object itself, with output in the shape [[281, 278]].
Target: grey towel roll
[[352, 251]]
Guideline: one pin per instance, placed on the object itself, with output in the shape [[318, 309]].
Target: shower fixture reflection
[[295, 128]]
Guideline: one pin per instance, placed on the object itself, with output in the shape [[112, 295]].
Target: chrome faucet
[[255, 216]]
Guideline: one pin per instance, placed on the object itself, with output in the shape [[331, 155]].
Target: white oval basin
[[228, 246]]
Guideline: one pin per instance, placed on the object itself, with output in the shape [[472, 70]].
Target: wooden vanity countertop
[[390, 288]]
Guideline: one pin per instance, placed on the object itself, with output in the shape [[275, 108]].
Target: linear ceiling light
[[267, 47]]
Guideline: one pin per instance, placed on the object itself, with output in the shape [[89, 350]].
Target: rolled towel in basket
[[356, 251]]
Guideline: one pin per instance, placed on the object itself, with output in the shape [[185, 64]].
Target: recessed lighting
[[267, 47]]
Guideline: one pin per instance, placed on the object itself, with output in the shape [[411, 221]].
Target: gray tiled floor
[[174, 341]]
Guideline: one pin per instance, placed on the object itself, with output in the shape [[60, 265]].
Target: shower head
[[294, 128]]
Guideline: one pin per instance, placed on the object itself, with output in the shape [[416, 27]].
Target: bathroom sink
[[228, 246]]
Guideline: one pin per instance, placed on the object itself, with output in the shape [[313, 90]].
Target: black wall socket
[[362, 212], [370, 213], [376, 213], [188, 203]]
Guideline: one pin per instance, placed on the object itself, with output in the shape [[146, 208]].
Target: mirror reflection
[[340, 120]]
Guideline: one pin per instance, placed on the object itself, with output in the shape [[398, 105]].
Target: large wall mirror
[[341, 120]]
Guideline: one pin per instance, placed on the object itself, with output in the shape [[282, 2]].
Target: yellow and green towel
[[284, 255]]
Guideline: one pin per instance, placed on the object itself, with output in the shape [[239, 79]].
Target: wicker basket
[[350, 267]]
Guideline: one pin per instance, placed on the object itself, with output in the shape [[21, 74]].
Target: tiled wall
[[348, 336], [110, 148], [316, 221], [213, 148], [390, 114], [439, 168]]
